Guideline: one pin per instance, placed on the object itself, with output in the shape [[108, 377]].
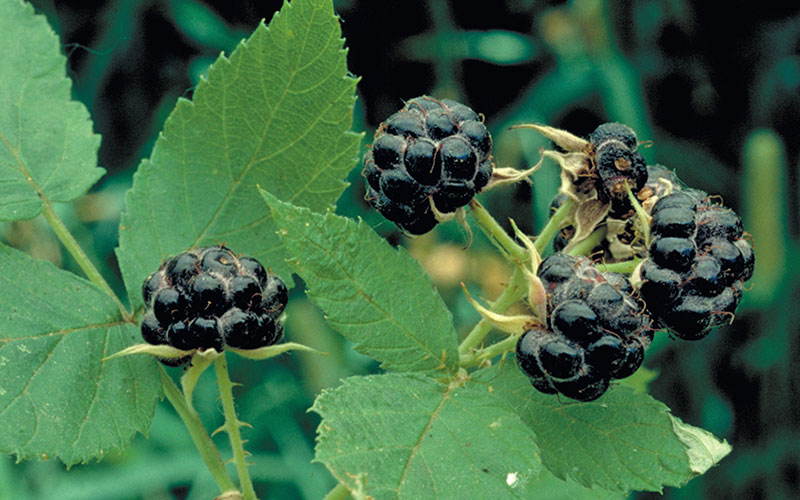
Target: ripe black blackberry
[[210, 298], [617, 163], [597, 331], [698, 263], [430, 152]]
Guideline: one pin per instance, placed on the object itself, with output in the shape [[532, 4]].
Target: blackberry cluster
[[209, 298], [596, 332], [431, 150], [617, 162], [698, 263]]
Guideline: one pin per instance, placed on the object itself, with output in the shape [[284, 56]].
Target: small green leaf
[[374, 295], [407, 436], [47, 148], [275, 113], [57, 398], [623, 441]]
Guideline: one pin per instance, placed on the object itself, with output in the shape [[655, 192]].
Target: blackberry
[[617, 163], [430, 152], [209, 298], [698, 261], [597, 330]]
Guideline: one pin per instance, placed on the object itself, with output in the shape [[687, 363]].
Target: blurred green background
[[716, 97]]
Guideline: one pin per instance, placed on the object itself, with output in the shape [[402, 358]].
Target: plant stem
[[585, 246], [339, 492], [513, 292], [208, 451], [476, 358], [553, 225], [624, 267], [72, 246], [232, 425], [497, 235]]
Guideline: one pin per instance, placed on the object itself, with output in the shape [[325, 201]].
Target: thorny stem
[[208, 451], [232, 425], [80, 256]]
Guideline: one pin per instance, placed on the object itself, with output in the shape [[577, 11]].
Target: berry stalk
[[553, 225], [497, 235], [232, 425], [476, 358], [208, 451], [514, 291]]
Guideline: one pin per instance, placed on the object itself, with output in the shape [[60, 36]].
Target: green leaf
[[275, 113], [623, 441], [57, 398], [376, 296], [47, 148], [409, 436]]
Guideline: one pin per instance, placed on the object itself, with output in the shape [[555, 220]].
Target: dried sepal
[[273, 350], [587, 217], [192, 374], [565, 140], [511, 324], [619, 249], [159, 351], [508, 175]]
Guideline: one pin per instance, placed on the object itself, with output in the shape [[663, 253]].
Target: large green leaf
[[57, 398], [409, 436], [47, 148], [275, 114], [376, 296], [623, 441]]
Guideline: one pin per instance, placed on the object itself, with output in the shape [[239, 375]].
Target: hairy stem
[[208, 451], [72, 246], [513, 292], [585, 246], [553, 225], [232, 425], [497, 235]]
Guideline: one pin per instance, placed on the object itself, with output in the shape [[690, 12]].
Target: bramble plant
[[238, 194]]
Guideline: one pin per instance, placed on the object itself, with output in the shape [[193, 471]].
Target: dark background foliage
[[716, 96]]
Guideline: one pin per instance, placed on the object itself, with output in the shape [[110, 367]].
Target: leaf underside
[[47, 148], [376, 296], [276, 114], [57, 398]]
